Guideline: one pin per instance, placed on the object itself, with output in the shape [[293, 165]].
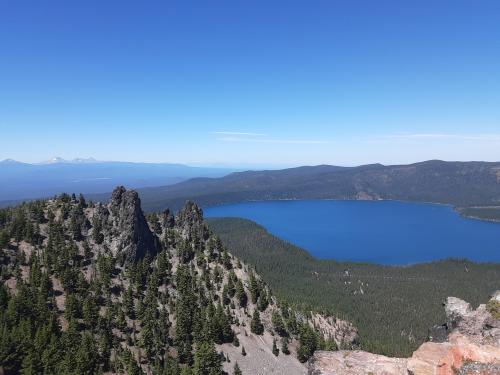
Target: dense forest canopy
[[392, 307]]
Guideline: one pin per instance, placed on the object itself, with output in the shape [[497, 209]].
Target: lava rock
[[134, 238]]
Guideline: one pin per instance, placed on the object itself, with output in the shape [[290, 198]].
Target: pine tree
[[275, 348], [237, 370], [308, 343], [240, 294], [75, 228], [263, 301], [256, 325], [90, 312], [226, 260], [254, 288], [206, 360], [284, 346], [130, 364], [278, 324], [87, 356], [4, 239], [81, 201], [236, 341]]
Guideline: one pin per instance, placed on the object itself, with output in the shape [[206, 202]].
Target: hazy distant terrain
[[461, 184], [28, 181]]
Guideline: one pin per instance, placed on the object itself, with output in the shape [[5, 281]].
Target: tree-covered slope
[[90, 288], [393, 307]]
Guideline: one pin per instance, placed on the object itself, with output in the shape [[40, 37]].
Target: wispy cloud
[[271, 140], [249, 137], [446, 136], [241, 134]]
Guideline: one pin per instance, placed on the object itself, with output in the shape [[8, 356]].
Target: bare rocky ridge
[[471, 346]]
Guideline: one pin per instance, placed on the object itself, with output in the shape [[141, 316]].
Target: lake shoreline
[[384, 233], [457, 209]]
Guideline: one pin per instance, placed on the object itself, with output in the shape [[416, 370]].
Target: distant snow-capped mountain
[[59, 160]]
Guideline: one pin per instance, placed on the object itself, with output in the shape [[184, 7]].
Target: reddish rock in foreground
[[472, 347]]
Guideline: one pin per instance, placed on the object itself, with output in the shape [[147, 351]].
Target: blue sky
[[250, 82]]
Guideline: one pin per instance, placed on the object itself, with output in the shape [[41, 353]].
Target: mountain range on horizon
[[23, 181], [472, 187], [78, 160]]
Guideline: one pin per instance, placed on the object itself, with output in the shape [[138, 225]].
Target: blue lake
[[386, 232]]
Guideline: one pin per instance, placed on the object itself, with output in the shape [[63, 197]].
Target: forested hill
[[91, 288], [462, 184], [393, 307]]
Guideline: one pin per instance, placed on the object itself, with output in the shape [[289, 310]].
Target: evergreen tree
[[254, 288], [275, 348], [81, 201], [240, 294], [206, 360], [237, 370], [100, 295], [308, 343], [284, 346], [278, 324], [4, 238], [87, 357], [256, 325]]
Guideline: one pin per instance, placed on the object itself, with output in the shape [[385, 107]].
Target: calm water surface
[[382, 232]]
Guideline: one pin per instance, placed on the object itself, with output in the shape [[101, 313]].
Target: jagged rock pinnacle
[[135, 238], [190, 219]]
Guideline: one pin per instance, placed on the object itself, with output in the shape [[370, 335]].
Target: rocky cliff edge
[[468, 343]]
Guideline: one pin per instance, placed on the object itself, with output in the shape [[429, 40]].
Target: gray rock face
[[479, 325], [167, 219], [456, 310], [496, 296], [355, 362], [132, 237], [438, 333], [190, 222], [342, 332]]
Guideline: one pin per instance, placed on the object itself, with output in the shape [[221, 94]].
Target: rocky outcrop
[[131, 238], [449, 357], [190, 221], [355, 362], [167, 219], [479, 325], [470, 345], [456, 310], [342, 332]]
